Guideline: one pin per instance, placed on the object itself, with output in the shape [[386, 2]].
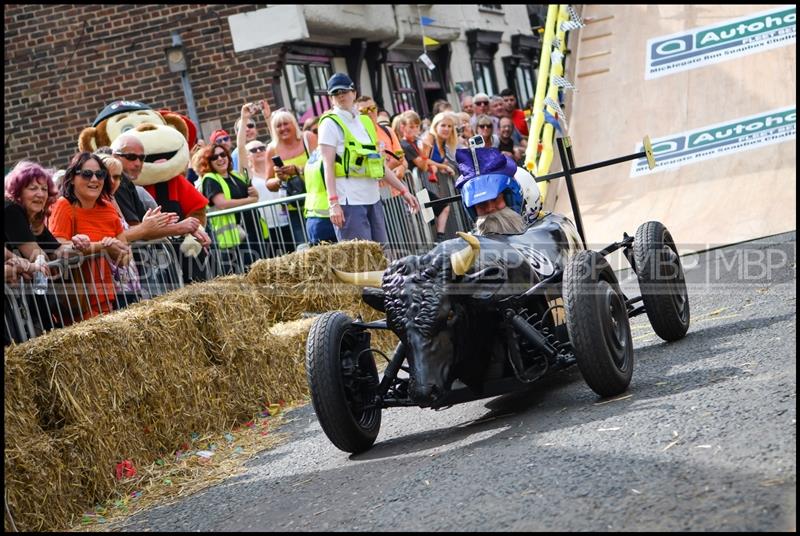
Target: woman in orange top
[[85, 207]]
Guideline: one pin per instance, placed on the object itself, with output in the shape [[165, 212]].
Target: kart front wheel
[[597, 323], [342, 377], [661, 280]]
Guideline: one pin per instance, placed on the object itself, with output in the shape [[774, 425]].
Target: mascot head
[[164, 136]]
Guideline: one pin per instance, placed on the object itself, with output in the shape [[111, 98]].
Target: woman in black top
[[29, 194], [213, 163]]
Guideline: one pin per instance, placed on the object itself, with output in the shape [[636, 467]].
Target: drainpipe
[[401, 34]]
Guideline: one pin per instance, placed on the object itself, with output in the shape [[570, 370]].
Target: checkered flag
[[560, 81], [556, 42], [574, 17], [557, 107], [556, 56]]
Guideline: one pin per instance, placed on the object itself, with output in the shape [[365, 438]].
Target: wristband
[[333, 198], [334, 204]]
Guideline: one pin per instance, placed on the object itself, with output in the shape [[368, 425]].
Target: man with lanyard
[[351, 163]]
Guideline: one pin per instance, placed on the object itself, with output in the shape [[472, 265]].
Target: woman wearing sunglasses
[[253, 161], [293, 146], [226, 188], [86, 207]]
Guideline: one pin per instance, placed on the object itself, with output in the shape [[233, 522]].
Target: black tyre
[[661, 280], [342, 378], [597, 322]]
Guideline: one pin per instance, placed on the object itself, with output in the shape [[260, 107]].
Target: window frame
[[402, 95], [315, 87]]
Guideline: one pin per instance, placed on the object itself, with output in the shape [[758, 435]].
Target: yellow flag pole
[[537, 120], [548, 132]]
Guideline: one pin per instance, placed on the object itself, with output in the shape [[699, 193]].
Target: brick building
[[64, 63]]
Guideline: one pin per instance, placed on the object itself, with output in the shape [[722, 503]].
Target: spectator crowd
[[307, 183]]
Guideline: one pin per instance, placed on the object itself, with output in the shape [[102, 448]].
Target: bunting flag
[[573, 15], [429, 41], [560, 115], [556, 56], [560, 81], [426, 21], [548, 118], [568, 25], [556, 42]]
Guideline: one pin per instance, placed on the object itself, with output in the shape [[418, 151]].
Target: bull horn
[[463, 260], [362, 279]]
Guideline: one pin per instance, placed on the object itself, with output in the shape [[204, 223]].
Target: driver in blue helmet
[[500, 197]]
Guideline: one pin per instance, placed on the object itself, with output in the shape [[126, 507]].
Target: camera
[[277, 160], [476, 142], [253, 107]]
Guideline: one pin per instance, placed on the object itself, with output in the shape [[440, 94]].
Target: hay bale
[[303, 282], [136, 383]]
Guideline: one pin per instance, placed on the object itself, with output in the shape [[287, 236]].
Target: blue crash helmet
[[486, 187]]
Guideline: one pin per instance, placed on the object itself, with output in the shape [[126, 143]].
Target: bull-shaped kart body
[[480, 316]]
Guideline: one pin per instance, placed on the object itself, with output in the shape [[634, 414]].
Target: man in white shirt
[[355, 201]]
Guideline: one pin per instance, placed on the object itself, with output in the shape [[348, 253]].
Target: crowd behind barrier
[[73, 291]]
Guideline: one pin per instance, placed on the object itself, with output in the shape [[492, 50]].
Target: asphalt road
[[704, 440]]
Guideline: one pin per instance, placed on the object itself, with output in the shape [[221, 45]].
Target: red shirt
[[182, 191], [67, 220], [518, 117]]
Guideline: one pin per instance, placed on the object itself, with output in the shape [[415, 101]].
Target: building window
[[485, 80], [523, 78], [306, 85], [494, 8], [402, 86], [482, 48]]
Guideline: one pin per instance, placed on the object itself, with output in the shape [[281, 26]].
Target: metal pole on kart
[[565, 152]]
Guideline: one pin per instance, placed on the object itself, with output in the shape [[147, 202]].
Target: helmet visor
[[484, 188]]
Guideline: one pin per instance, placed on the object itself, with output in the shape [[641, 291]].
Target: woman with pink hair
[[29, 195]]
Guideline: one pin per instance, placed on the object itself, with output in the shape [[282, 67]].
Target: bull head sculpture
[[423, 314]]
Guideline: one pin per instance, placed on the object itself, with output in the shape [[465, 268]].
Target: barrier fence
[[81, 287]]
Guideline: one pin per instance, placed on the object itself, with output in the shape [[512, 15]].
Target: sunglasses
[[217, 157], [251, 125], [337, 92], [480, 103], [485, 126], [223, 139], [131, 156], [369, 110], [88, 174], [258, 149]]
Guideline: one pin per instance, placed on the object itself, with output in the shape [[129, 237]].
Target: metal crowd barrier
[[74, 293], [286, 232]]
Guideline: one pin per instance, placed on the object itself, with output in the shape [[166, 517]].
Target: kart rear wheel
[[597, 322], [342, 378], [661, 280]]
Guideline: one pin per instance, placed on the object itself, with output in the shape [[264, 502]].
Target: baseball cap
[[118, 107], [340, 81], [217, 134]]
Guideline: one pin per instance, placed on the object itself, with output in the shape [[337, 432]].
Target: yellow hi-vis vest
[[358, 161], [226, 230]]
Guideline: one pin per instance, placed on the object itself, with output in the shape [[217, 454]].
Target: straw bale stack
[[134, 384], [303, 282]]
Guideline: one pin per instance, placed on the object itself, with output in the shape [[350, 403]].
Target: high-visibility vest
[[226, 230], [359, 160]]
